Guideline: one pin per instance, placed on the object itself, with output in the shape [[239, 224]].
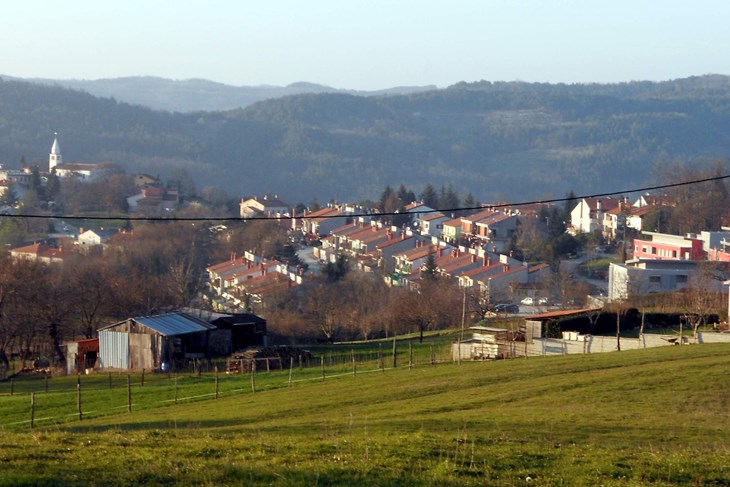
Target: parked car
[[506, 308], [543, 301], [528, 301]]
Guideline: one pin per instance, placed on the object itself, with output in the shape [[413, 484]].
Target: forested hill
[[511, 140]]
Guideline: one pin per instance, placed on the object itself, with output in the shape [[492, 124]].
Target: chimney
[[473, 259], [505, 268], [440, 252]]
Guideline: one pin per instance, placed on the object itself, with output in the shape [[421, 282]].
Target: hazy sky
[[366, 44]]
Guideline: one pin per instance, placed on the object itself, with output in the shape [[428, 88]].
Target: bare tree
[[701, 297]]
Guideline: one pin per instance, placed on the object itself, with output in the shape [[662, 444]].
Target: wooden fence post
[[175, 387], [129, 392], [291, 368], [268, 368], [253, 375], [321, 362], [12, 386], [46, 382], [352, 353], [216, 382], [110, 380], [381, 365], [32, 410], [395, 352], [410, 355], [433, 354], [78, 399], [142, 378]]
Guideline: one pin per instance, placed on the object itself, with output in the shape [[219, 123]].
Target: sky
[[366, 44]]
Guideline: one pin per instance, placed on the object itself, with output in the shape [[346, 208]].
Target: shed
[[548, 324], [81, 355], [146, 342], [484, 344], [246, 329]]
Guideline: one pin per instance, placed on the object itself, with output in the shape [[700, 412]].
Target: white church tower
[[55, 157]]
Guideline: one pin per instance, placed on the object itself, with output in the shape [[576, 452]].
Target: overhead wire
[[355, 215]]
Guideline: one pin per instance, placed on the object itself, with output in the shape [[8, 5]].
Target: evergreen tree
[[429, 196], [429, 267], [53, 186], [405, 196], [570, 203], [37, 185], [448, 199], [386, 199]]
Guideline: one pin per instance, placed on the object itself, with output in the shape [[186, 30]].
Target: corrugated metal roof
[[169, 324], [560, 314], [174, 324]]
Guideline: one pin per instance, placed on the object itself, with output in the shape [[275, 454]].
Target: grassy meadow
[[650, 417]]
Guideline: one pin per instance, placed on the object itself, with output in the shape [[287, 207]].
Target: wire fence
[[28, 402]]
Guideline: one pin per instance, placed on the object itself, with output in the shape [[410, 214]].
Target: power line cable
[[325, 217]]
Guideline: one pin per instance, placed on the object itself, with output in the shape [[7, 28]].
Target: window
[[674, 254], [655, 279], [681, 279], [653, 250]]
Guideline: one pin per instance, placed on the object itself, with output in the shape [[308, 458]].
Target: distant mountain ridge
[[497, 140], [196, 95]]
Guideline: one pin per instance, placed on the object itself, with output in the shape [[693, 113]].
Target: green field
[[650, 417]]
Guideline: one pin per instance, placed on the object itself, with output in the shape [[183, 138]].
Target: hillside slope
[[651, 417], [496, 140]]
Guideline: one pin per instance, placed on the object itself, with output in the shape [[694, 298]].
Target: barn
[[81, 355], [159, 342]]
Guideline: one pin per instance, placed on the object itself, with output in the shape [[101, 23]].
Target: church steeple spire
[[54, 158]]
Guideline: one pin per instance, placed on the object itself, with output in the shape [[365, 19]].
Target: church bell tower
[[54, 159]]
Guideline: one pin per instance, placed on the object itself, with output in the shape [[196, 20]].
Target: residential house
[[662, 246], [497, 230], [145, 180], [433, 223], [90, 239], [418, 210], [648, 276], [270, 206], [246, 282], [587, 216], [451, 230], [22, 177], [499, 287], [410, 261], [323, 221], [385, 251], [152, 199], [41, 252]]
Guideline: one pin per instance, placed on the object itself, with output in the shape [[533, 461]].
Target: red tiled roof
[[478, 216], [433, 216]]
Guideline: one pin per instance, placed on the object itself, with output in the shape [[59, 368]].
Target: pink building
[[663, 246]]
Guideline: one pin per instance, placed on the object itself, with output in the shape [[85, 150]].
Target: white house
[[265, 206], [588, 214]]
